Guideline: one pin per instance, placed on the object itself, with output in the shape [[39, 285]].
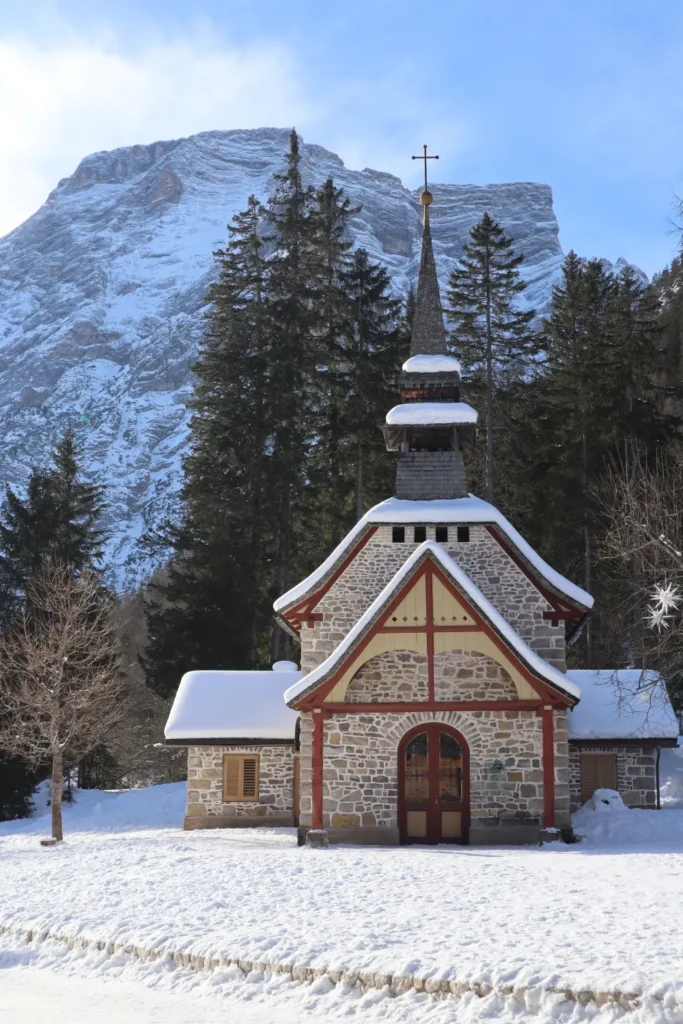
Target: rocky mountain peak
[[102, 292]]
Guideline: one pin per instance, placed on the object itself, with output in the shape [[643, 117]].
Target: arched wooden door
[[433, 793]]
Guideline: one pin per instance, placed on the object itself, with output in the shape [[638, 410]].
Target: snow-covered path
[[31, 996]]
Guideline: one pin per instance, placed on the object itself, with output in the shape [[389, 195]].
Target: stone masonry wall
[[394, 676], [360, 771], [482, 558], [205, 785], [636, 773], [468, 675]]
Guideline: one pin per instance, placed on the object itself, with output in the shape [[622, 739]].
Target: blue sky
[[586, 96]]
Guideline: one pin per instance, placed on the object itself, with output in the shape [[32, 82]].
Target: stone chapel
[[432, 703]]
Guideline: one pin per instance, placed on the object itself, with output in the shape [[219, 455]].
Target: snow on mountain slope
[[102, 293]]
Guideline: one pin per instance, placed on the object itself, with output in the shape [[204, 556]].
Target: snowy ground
[[603, 915]]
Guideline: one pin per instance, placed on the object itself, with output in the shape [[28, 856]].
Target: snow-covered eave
[[470, 510], [216, 737], [627, 738], [431, 414], [534, 663]]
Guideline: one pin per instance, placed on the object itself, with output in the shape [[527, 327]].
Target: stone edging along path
[[363, 980]]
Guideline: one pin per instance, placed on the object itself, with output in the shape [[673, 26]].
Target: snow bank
[[605, 822], [671, 777], [94, 810], [491, 916]]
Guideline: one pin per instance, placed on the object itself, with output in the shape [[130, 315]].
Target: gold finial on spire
[[426, 197]]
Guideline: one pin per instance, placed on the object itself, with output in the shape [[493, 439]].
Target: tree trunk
[[489, 391], [359, 480], [57, 783], [587, 553], [279, 640]]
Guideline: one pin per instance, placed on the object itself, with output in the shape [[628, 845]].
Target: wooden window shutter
[[598, 771], [240, 777]]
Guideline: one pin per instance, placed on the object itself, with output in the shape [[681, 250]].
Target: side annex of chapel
[[433, 702]]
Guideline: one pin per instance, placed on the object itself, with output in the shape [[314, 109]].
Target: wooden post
[[548, 768], [317, 769]]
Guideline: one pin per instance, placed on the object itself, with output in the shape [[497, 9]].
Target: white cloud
[[60, 103]]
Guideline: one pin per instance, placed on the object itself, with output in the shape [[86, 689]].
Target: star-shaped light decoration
[[666, 597], [656, 618]]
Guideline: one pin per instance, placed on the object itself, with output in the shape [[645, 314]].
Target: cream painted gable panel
[[447, 610], [412, 610]]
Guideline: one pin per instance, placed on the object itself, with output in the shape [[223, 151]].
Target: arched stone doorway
[[433, 785]]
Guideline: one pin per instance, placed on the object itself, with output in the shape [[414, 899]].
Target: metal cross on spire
[[425, 158]]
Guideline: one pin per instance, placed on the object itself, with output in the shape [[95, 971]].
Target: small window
[[442, 534], [598, 771], [398, 534], [420, 534], [463, 534], [240, 778]]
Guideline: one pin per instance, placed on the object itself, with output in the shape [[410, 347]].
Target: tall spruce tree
[[294, 319], [209, 607], [301, 346], [491, 336], [374, 345]]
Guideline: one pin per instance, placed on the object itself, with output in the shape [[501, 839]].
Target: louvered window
[[598, 771], [240, 777]]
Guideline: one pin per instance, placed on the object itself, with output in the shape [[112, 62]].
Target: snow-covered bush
[[605, 800]]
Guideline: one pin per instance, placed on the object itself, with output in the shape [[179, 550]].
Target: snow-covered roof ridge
[[443, 510], [431, 364], [430, 547], [428, 413], [621, 704], [232, 705]]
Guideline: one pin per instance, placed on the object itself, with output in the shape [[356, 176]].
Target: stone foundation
[[636, 773], [205, 807]]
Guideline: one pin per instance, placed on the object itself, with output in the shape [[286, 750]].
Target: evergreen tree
[[209, 608], [374, 347], [491, 336], [293, 280], [56, 521], [301, 348]]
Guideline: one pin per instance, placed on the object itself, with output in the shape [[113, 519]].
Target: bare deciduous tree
[[642, 549], [61, 686]]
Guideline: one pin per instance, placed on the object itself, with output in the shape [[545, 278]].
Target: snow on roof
[[621, 704], [428, 413], [432, 364], [233, 705], [532, 660], [442, 510]]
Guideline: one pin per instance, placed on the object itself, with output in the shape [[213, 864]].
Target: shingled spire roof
[[429, 335]]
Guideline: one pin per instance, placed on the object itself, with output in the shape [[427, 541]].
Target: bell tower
[[432, 427]]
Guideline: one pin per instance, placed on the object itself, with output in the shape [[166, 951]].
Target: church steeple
[[429, 335], [432, 426]]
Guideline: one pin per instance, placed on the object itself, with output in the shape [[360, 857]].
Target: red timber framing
[[546, 701], [548, 767], [317, 770], [303, 612], [561, 610]]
